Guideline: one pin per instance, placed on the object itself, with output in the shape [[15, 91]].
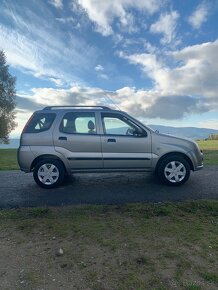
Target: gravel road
[[18, 189]]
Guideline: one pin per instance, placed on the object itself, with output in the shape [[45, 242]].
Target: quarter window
[[79, 123], [40, 122]]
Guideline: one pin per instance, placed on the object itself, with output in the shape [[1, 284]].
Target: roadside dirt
[[130, 247]]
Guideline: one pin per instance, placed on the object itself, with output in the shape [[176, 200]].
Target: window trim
[[117, 115]]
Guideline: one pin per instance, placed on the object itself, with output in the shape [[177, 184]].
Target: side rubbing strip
[[107, 158], [125, 158], [84, 158]]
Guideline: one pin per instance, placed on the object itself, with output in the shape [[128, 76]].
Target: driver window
[[119, 125]]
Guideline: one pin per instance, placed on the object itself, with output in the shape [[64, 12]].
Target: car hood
[[185, 144]]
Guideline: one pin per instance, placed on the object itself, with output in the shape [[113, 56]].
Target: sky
[[157, 60]]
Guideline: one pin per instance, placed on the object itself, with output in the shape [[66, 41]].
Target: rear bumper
[[25, 158]]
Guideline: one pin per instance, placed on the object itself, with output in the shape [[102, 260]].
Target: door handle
[[111, 140], [62, 138]]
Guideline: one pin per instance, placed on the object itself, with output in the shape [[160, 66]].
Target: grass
[[210, 150], [210, 277], [8, 157], [137, 246]]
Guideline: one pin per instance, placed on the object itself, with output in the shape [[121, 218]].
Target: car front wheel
[[174, 170], [49, 173]]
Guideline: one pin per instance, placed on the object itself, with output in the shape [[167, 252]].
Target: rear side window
[[78, 123], [40, 122]]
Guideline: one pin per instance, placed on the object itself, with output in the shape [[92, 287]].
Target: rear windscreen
[[39, 122]]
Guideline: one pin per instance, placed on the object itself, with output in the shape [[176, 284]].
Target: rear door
[[125, 145], [77, 139]]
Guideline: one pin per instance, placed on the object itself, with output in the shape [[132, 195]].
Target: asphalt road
[[18, 189]]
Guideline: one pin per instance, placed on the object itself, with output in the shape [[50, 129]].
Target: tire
[[49, 173], [174, 170]]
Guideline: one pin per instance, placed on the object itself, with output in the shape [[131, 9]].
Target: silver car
[[59, 141]]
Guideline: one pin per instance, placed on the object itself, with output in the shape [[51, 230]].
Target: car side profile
[[58, 141]]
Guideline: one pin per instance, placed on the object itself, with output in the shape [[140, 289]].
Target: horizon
[[157, 60]]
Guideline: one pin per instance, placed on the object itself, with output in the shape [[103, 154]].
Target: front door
[[76, 138], [125, 145]]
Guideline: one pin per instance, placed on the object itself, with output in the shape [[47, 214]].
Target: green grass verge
[[137, 246], [210, 150], [8, 157]]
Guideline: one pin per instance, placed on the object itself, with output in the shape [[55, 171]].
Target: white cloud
[[199, 16], [100, 72], [129, 99], [73, 22], [151, 65], [149, 47], [19, 51], [65, 20], [57, 3], [147, 60], [104, 76], [166, 25], [195, 72], [41, 97], [213, 124], [144, 104], [57, 82], [34, 47], [103, 13], [99, 67], [76, 95], [190, 86], [37, 57]]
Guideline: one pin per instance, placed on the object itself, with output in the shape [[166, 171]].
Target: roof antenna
[[112, 101]]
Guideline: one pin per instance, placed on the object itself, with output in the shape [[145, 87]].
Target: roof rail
[[102, 107]]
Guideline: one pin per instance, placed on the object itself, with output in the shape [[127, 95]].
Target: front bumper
[[199, 167]]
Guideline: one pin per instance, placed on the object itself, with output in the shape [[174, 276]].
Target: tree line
[[213, 137]]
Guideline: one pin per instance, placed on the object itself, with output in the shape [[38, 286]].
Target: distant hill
[[188, 132]]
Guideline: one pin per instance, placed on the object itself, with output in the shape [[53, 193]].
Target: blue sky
[[155, 59]]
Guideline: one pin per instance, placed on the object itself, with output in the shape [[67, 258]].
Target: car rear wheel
[[174, 170], [49, 173]]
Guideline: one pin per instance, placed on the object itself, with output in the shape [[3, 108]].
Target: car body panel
[[93, 152], [163, 144], [126, 152], [25, 157], [81, 150]]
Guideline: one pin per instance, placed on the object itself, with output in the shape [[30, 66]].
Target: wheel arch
[[46, 156], [173, 154]]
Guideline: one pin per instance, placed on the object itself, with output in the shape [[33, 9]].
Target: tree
[[213, 137], [7, 100]]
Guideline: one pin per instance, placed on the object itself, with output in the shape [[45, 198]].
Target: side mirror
[[136, 132], [140, 132]]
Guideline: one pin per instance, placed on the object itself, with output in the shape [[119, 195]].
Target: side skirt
[[100, 170]]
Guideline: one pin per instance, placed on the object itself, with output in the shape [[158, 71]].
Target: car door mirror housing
[[137, 132], [141, 133]]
